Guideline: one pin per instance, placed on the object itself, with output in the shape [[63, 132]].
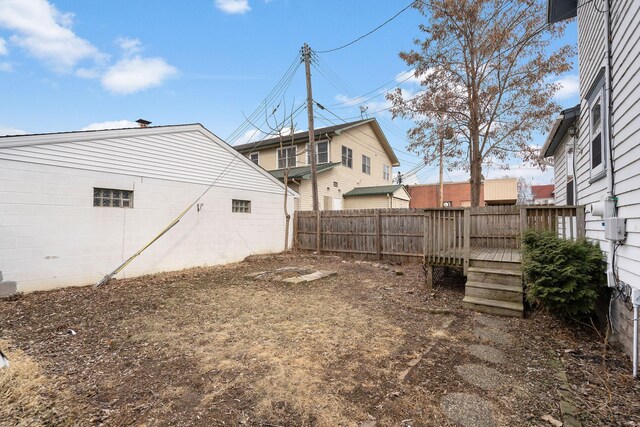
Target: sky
[[72, 65]]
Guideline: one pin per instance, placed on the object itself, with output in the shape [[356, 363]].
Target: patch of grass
[[27, 396], [295, 352]]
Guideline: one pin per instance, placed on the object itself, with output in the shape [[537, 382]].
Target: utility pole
[[306, 53]]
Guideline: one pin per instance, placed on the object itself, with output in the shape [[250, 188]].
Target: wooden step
[[497, 276], [500, 292], [501, 265], [502, 308]]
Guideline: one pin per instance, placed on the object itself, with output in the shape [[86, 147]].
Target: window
[[111, 198], [386, 172], [255, 158], [241, 206], [597, 129], [570, 191], [322, 152], [366, 165], [286, 157], [347, 157]]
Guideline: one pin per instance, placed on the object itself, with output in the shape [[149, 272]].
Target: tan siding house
[[349, 156]]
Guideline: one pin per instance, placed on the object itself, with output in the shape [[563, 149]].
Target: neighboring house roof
[[543, 191], [565, 120], [320, 134], [302, 172], [381, 190]]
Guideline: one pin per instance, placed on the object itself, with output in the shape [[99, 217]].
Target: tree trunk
[[476, 171]]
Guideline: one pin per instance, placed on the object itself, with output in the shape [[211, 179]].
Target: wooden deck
[[495, 254]]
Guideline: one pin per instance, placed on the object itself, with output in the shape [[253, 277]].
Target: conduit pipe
[[635, 340]]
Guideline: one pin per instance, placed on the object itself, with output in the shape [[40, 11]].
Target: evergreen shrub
[[564, 276]]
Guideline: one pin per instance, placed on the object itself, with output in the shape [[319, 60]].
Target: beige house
[[351, 156]]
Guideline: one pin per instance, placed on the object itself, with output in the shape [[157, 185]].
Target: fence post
[[378, 235], [425, 241], [523, 222], [296, 242], [580, 224], [467, 239], [318, 232]]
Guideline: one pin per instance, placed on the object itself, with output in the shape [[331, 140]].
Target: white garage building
[[75, 205]]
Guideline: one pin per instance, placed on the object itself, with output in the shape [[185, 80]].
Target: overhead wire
[[370, 32]]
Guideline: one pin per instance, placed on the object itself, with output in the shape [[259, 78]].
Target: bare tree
[[485, 69], [525, 195]]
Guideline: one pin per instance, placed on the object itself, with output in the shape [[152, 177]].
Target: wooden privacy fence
[[435, 236]]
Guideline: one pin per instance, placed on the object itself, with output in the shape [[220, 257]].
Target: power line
[[370, 32]]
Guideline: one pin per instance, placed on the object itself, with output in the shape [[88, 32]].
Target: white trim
[[598, 95]]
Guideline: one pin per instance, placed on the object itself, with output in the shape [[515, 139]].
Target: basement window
[[112, 198], [241, 206]]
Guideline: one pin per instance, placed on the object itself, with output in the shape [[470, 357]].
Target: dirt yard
[[366, 347]]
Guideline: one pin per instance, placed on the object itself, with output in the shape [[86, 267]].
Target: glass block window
[[241, 206], [366, 164], [112, 198], [347, 157]]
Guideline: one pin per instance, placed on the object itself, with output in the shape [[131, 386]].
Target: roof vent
[[143, 123]]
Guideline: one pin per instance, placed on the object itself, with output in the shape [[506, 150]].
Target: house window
[[286, 157], [347, 157], [241, 206], [255, 158], [597, 130], [366, 165], [322, 152], [570, 191], [386, 172], [112, 198]]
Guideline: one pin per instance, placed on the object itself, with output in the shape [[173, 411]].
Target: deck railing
[[435, 236]]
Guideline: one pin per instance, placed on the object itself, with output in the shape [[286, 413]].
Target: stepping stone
[[310, 277], [492, 322], [492, 335], [481, 376], [487, 353], [468, 410]]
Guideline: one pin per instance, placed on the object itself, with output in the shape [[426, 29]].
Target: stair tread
[[494, 303], [494, 286], [494, 271]]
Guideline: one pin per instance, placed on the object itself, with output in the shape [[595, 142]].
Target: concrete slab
[[321, 274], [493, 335], [487, 353]]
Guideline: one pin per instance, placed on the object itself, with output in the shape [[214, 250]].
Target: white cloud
[[3, 47], [46, 33], [237, 7], [113, 124], [570, 87], [130, 75], [8, 130], [129, 46], [407, 77]]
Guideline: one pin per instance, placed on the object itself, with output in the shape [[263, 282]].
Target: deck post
[[378, 235], [429, 279], [580, 224], [467, 239], [318, 232]]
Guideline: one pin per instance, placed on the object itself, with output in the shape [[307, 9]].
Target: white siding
[[52, 236], [625, 21]]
